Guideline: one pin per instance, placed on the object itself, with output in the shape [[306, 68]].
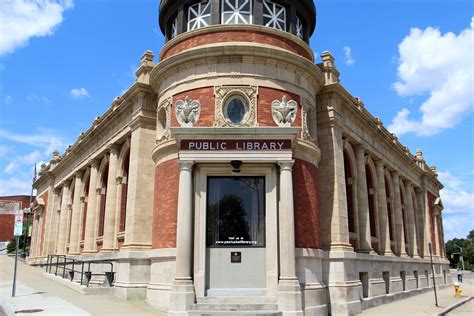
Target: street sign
[[18, 228]]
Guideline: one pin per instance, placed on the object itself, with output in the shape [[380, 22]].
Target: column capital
[[359, 148], [94, 163], [396, 175], [78, 174], [379, 164], [286, 165], [113, 148], [186, 165]]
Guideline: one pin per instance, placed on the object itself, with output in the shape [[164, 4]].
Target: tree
[[454, 246]]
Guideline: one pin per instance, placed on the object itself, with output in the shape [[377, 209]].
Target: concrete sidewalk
[[424, 304], [34, 292]]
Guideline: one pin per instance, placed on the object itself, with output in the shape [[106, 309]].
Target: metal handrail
[[64, 263]]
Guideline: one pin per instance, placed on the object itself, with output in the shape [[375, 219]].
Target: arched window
[[102, 198], [371, 198], [124, 190], [349, 193]]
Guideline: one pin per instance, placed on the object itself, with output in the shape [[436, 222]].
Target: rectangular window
[[236, 212], [236, 11], [199, 15]]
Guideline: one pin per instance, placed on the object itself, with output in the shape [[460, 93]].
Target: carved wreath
[[187, 112], [284, 112]]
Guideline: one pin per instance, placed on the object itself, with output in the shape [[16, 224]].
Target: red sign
[[235, 145]]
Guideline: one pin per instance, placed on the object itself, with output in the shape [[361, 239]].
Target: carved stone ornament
[[222, 93], [163, 124], [284, 112], [187, 112]]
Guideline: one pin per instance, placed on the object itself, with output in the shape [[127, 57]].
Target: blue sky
[[410, 61]]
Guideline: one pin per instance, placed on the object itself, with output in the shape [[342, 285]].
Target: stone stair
[[236, 306]]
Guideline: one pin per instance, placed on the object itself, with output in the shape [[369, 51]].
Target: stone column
[[436, 248], [384, 237], [92, 210], [334, 216], [397, 209], [289, 292], [182, 289], [76, 216], [61, 245], [141, 177], [52, 223], [111, 202], [34, 240], [424, 225], [412, 242], [363, 203]]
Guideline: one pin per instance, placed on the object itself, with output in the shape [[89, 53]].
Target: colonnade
[[390, 213]]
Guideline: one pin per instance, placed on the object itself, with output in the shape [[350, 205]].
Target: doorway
[[236, 236]]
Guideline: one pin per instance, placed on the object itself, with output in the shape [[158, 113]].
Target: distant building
[[237, 172], [8, 206]]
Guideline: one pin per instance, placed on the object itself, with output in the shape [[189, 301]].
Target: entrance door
[[235, 236]]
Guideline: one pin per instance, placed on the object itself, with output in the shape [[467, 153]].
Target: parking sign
[[18, 228]]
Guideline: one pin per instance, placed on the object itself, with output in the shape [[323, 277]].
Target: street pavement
[[35, 293], [40, 296]]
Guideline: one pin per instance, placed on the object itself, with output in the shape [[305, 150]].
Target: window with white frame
[[174, 28], [274, 15], [199, 15], [299, 28], [236, 11]]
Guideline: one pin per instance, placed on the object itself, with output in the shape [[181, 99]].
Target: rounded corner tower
[[236, 160]]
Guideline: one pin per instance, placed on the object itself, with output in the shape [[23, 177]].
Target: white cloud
[[21, 20], [441, 67], [12, 167], [15, 186], [458, 213], [33, 97], [44, 139], [8, 99], [348, 59], [79, 93]]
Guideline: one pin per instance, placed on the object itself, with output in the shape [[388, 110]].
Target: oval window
[[236, 109]]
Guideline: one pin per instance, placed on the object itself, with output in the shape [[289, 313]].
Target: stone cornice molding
[[216, 52], [307, 151], [164, 151]]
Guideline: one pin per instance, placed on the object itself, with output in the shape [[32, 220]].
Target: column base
[[181, 297], [289, 297], [388, 253], [107, 250], [341, 247], [89, 252]]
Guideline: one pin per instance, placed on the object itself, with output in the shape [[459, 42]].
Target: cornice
[[212, 53]]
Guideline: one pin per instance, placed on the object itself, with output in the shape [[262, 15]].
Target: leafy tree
[[454, 246]]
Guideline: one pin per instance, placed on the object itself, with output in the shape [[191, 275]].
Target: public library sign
[[235, 144]]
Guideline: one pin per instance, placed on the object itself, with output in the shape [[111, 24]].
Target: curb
[[6, 308], [453, 306]]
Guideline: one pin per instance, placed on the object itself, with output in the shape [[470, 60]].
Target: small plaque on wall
[[235, 257]]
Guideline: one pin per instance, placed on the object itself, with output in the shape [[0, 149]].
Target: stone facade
[[349, 212]]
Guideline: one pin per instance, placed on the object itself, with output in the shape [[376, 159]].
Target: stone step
[[225, 312], [234, 307]]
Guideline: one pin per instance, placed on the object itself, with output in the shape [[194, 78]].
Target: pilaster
[[363, 202], [92, 210], [61, 245], [384, 240], [399, 227], [111, 202], [76, 215]]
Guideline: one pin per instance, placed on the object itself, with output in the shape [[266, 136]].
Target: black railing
[[68, 267]]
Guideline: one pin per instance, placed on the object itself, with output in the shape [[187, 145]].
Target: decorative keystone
[[284, 112], [187, 112]]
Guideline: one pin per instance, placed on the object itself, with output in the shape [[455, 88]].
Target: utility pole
[[432, 273], [25, 241]]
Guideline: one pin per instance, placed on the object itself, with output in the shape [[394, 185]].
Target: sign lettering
[[235, 145]]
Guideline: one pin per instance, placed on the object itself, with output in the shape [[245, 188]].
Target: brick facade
[[306, 199], [165, 205], [247, 36], [7, 221]]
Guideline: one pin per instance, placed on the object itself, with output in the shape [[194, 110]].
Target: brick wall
[[306, 196], [247, 36], [7, 221], [165, 205], [265, 98], [208, 104]]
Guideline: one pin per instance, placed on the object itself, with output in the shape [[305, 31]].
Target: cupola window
[[237, 11], [199, 15], [174, 28], [274, 15], [299, 28]]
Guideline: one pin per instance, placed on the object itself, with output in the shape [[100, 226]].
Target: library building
[[238, 176]]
